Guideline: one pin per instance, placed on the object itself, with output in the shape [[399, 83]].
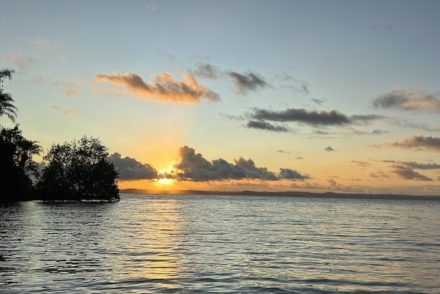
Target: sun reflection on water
[[153, 250]]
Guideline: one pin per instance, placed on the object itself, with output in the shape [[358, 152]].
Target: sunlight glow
[[166, 174], [165, 182]]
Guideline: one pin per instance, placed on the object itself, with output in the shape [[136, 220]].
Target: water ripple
[[200, 244]]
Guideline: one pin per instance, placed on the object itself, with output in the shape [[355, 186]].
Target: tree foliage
[[16, 164], [78, 170], [7, 106]]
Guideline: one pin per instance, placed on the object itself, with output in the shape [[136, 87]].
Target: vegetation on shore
[[77, 170]]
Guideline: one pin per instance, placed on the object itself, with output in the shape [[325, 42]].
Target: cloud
[[419, 143], [379, 132], [379, 174], [321, 132], [20, 61], [358, 132], [360, 163], [247, 82], [70, 87], [415, 165], [318, 101], [207, 70], [365, 118], [408, 99], [263, 125], [406, 169], [315, 118], [194, 167], [303, 116], [64, 110], [164, 87], [329, 149], [414, 125], [294, 83], [409, 174], [284, 151], [290, 174], [131, 169]]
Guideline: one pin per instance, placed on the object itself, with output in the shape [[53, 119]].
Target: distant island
[[286, 194]]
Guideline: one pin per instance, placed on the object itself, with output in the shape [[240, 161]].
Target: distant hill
[[286, 194]]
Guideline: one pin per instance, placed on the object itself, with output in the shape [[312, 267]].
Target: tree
[[6, 102], [78, 170], [16, 164]]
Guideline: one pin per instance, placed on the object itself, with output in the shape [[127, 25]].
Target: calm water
[[166, 244]]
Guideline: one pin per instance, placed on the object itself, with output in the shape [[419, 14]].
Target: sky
[[338, 96]]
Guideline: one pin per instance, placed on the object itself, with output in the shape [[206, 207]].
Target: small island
[[73, 171]]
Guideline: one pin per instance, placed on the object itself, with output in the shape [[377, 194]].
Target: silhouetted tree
[[78, 170], [6, 102], [16, 164]]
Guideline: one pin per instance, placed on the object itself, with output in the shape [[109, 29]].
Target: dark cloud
[[318, 101], [415, 165], [305, 88], [365, 118], [247, 82], [207, 70], [194, 167], [263, 125], [419, 143], [329, 149], [131, 169], [164, 87], [290, 174], [315, 118], [409, 174], [303, 116], [424, 166], [406, 169], [408, 99]]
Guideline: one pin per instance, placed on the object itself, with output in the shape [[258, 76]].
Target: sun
[[165, 180]]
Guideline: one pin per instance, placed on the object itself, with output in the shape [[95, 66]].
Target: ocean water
[[236, 244]]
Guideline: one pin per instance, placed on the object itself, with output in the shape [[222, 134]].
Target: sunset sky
[[235, 95]]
